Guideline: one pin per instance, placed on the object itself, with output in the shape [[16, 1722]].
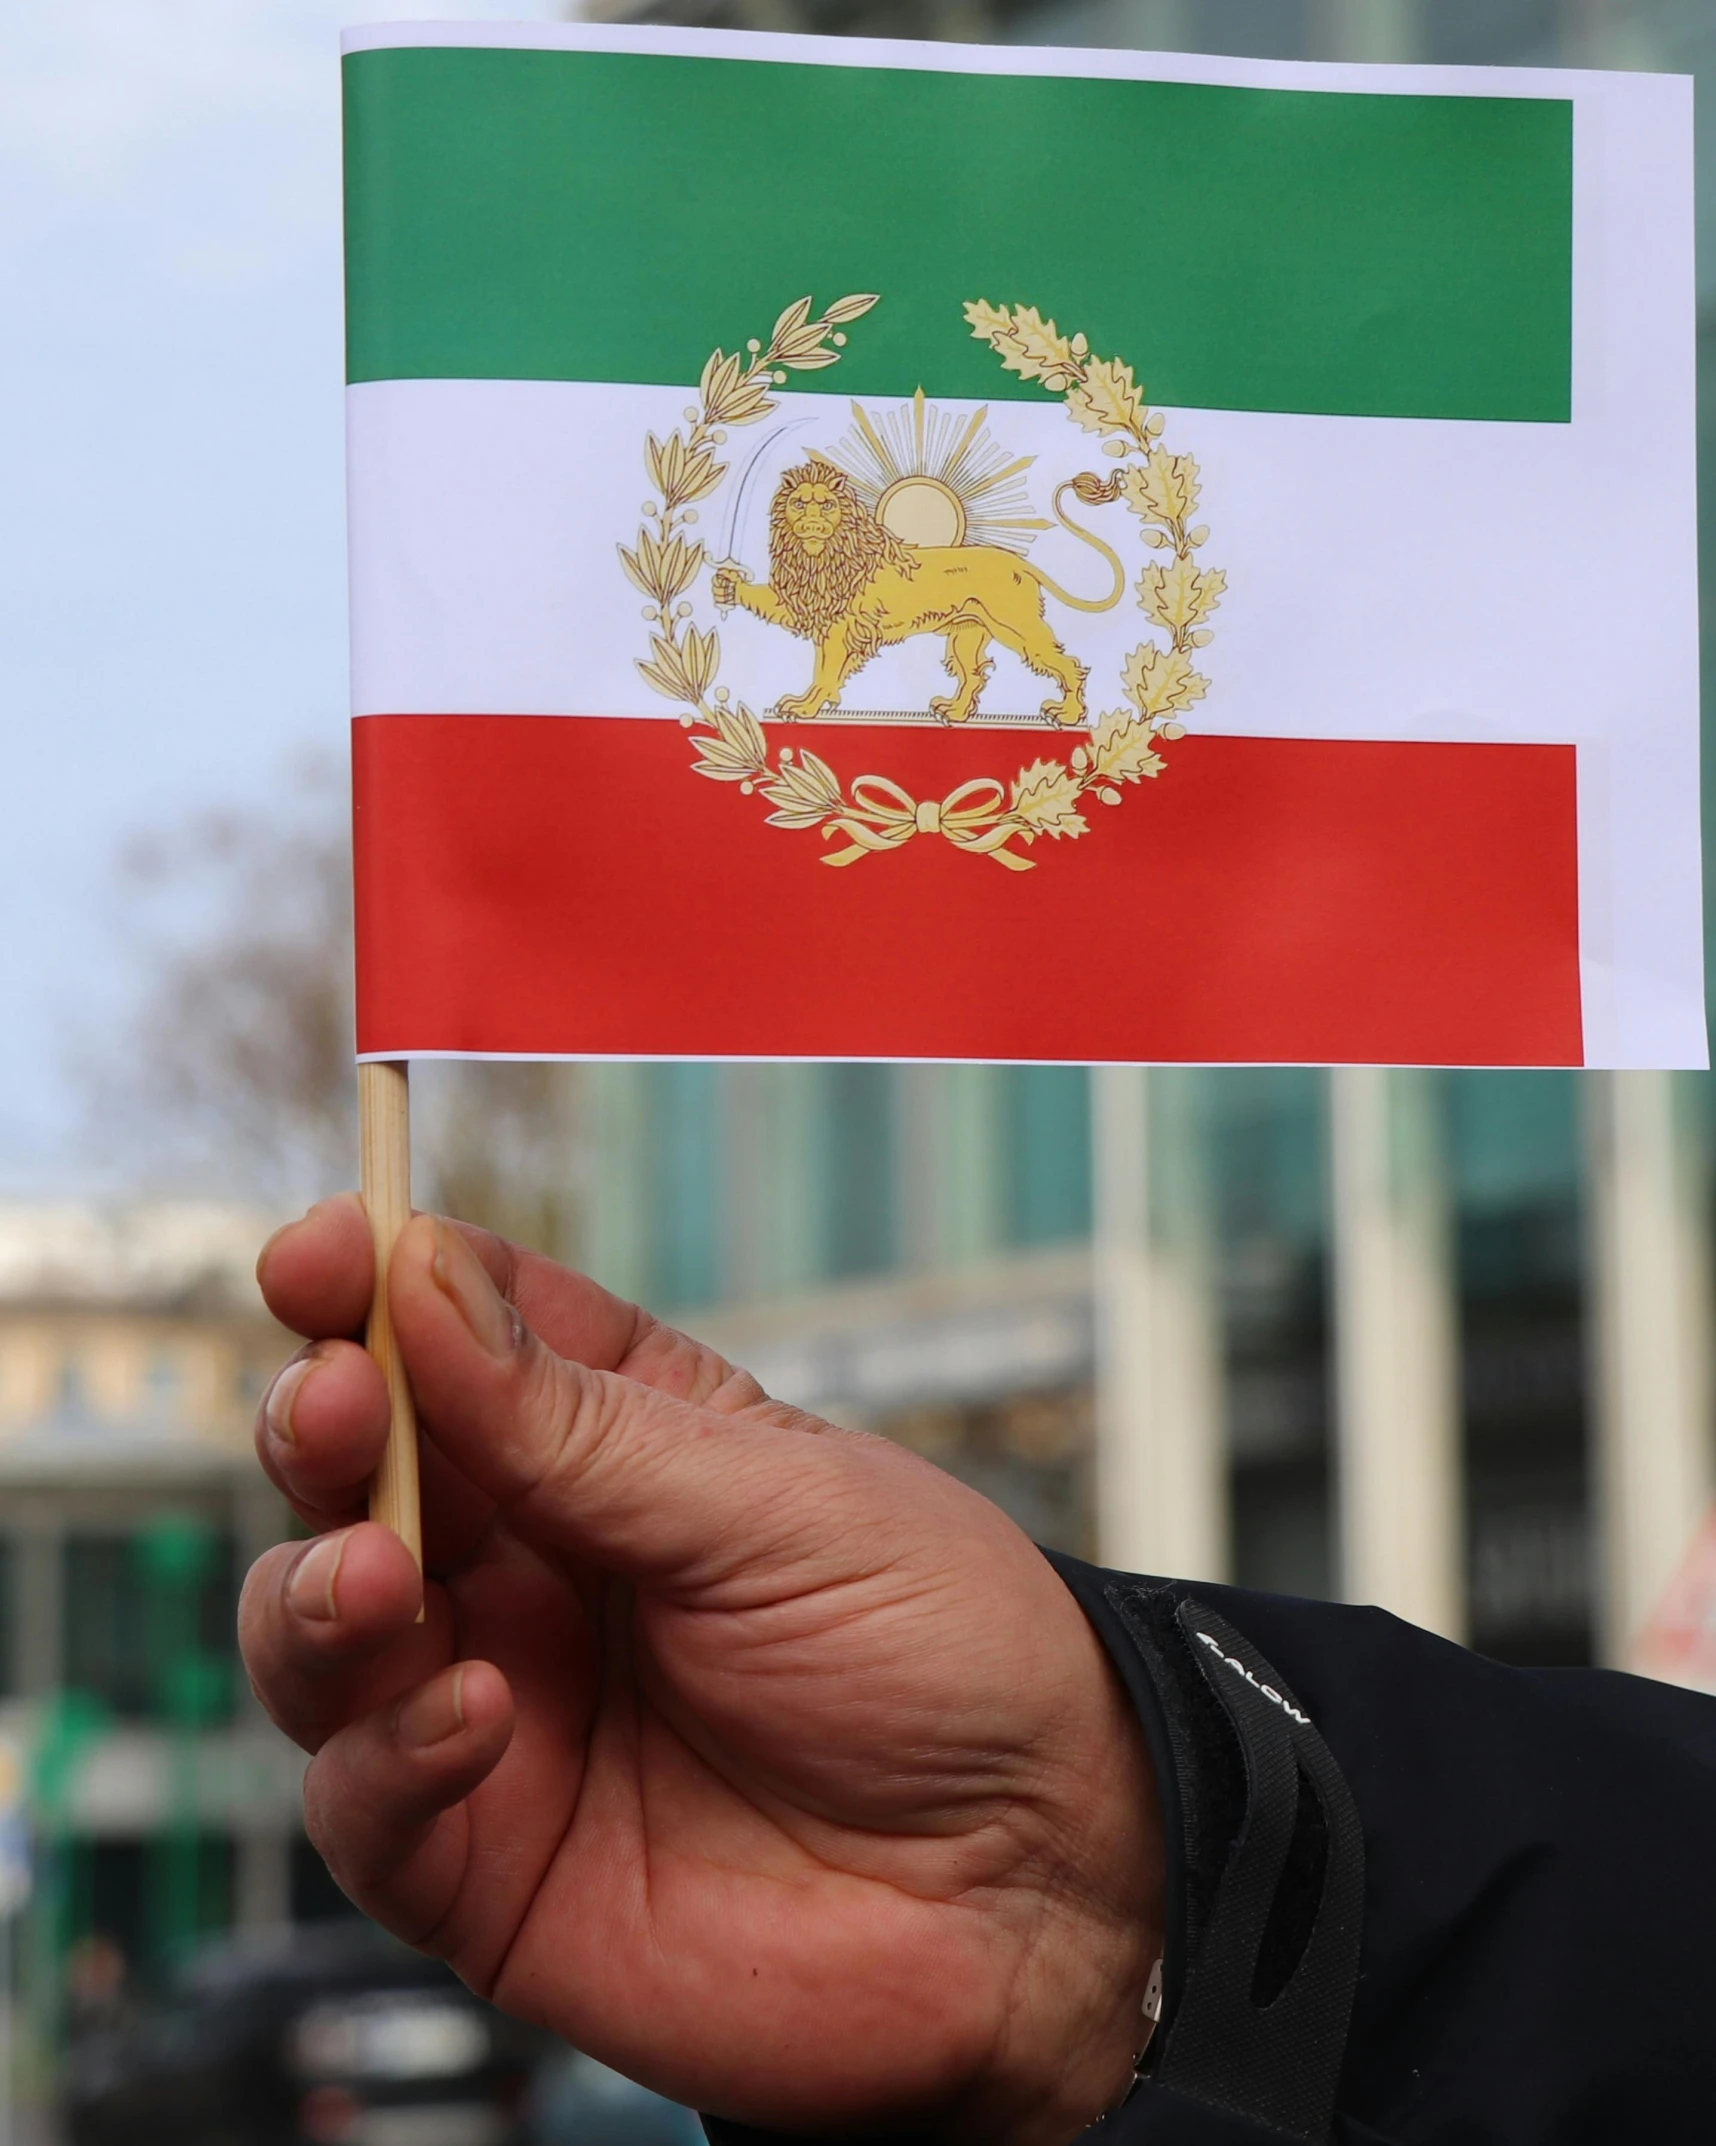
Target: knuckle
[[579, 1411], [260, 1592], [733, 1390]]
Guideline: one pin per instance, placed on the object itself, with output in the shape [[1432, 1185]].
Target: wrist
[[1075, 2020]]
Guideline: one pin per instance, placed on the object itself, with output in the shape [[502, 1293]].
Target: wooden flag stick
[[384, 1143]]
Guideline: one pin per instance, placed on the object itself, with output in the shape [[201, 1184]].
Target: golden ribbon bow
[[884, 817]]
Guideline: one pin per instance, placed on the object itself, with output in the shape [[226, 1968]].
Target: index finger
[[317, 1276]]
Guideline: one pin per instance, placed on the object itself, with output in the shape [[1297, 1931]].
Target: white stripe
[[1387, 579]]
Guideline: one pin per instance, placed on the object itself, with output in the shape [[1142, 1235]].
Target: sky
[[172, 598]]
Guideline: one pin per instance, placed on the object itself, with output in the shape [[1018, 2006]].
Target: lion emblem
[[842, 581]]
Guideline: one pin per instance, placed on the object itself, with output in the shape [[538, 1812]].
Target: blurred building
[[133, 1350], [1439, 1341], [1669, 34], [1364, 1334]]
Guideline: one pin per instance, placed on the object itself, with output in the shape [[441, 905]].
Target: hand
[[758, 1758], [725, 584]]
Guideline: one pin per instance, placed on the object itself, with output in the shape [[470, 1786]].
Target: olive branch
[[1162, 489], [981, 816], [685, 467]]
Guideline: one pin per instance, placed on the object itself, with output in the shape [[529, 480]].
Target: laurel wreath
[[1160, 679]]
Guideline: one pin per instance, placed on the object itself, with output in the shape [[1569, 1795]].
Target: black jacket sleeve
[[1415, 1898]]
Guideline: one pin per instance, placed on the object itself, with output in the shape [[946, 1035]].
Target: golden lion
[[844, 582]]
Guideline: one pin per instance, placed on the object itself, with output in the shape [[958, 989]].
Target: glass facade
[[1045, 1159], [703, 1184], [856, 1170], [1267, 1136], [684, 1152], [748, 1184], [1516, 1142]]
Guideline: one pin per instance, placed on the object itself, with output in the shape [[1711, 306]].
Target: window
[[1267, 1163], [148, 1620], [1515, 1142], [163, 1382], [1265, 29], [71, 1399], [151, 1898], [859, 1210], [1046, 1143], [1266, 1126], [683, 1159], [106, 1651]]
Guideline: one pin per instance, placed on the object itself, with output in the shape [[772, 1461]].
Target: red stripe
[[541, 884]]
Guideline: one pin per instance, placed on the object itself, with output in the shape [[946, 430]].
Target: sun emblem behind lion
[[936, 477], [841, 579]]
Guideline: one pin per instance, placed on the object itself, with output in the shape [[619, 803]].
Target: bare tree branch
[[235, 1072]]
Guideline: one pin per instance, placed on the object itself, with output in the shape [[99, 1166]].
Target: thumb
[[682, 1496]]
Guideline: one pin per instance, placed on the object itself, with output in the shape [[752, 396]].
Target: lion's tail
[[1083, 603]]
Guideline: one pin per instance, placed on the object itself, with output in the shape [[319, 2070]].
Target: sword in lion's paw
[[727, 572]]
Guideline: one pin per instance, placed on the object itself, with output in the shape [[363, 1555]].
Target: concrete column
[[262, 1880], [1650, 1324], [918, 1164], [950, 1164], [971, 1219], [260, 1518], [770, 1182], [1161, 1479], [615, 1181], [787, 1191], [745, 1116], [1397, 1407], [1595, 33]]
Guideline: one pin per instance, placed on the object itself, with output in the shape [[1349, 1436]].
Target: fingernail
[[282, 1395], [460, 1277], [433, 1714], [310, 1591]]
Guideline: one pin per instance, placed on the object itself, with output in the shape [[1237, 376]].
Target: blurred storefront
[[133, 1348]]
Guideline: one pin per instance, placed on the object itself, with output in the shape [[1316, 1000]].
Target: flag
[[879, 550]]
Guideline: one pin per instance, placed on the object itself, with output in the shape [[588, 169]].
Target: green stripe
[[607, 216]]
